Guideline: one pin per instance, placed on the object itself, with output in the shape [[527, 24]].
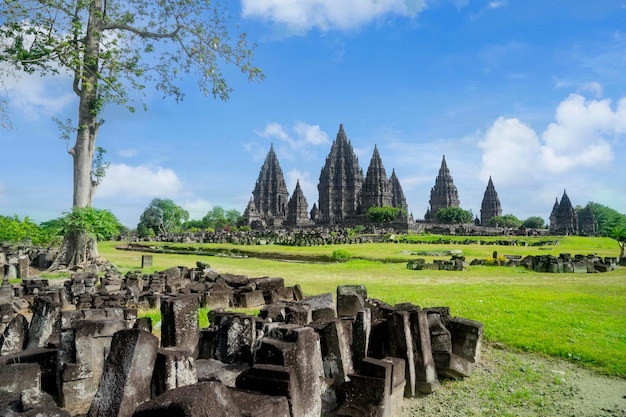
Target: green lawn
[[578, 317]]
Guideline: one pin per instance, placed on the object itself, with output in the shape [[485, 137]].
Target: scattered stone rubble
[[564, 263], [85, 352]]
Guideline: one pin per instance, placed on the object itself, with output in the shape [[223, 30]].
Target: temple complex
[[444, 194], [490, 206], [345, 196]]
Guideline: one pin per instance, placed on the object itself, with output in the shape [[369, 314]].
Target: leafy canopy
[[128, 44], [384, 214], [508, 220], [452, 215], [534, 222], [160, 217], [607, 218]]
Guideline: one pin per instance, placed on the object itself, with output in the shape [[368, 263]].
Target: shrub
[[453, 215], [341, 255]]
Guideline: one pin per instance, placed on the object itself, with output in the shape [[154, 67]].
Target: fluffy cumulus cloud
[[299, 136], [303, 15], [581, 139], [139, 182]]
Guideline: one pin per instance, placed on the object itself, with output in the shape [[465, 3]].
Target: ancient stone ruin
[[490, 206], [443, 194], [341, 355]]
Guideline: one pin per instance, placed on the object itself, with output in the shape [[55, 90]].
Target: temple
[[490, 206], [563, 219], [444, 194], [270, 193]]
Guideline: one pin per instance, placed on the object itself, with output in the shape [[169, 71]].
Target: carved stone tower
[[270, 192], [490, 206], [375, 191], [297, 208], [340, 183], [444, 194], [564, 220], [397, 195], [587, 223]]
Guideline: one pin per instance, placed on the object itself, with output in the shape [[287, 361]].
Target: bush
[[384, 214], [454, 215], [341, 255]]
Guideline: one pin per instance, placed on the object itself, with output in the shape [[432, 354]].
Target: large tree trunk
[[78, 248]]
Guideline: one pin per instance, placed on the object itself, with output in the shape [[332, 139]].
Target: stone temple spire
[[340, 182], [444, 194], [270, 192], [490, 206], [564, 220], [397, 195], [375, 191], [297, 208]]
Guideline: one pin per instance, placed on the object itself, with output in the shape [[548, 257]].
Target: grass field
[[580, 317]]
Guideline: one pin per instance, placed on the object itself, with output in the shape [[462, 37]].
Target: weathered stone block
[[335, 341], [127, 374], [45, 324], [15, 336], [322, 306], [235, 336], [467, 336], [251, 299], [174, 367], [179, 322], [19, 377], [350, 299], [214, 370]]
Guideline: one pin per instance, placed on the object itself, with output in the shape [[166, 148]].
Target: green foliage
[[534, 222], [216, 219], [607, 218], [508, 220], [341, 255], [354, 231], [384, 214], [15, 231], [619, 234], [102, 224], [160, 217], [453, 215]]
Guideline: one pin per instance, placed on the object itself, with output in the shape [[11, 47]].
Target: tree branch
[[143, 33]]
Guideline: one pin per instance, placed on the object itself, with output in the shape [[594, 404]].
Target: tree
[[218, 219], [160, 217], [619, 234], [384, 214], [453, 215], [607, 218], [534, 222], [508, 220], [114, 47]]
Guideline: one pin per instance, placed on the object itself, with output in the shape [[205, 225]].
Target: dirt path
[[515, 384]]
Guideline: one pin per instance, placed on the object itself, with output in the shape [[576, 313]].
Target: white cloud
[[496, 5], [578, 137], [303, 15], [197, 208], [592, 87], [136, 182], [578, 141], [510, 149], [299, 136]]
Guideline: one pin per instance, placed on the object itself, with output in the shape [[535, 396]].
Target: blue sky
[[531, 92]]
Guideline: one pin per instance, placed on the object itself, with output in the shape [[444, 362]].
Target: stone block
[[18, 377], [214, 370], [361, 330], [204, 399], [15, 336], [274, 380], [251, 299], [350, 299], [440, 338], [298, 314], [174, 367], [146, 261], [452, 366], [322, 306], [218, 299], [467, 336], [179, 322], [335, 341], [45, 324], [125, 382], [426, 375], [235, 337]]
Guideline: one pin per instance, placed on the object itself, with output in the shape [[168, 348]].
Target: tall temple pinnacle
[[444, 194], [397, 195], [375, 191], [563, 219], [270, 192], [490, 206], [297, 208], [340, 182]]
